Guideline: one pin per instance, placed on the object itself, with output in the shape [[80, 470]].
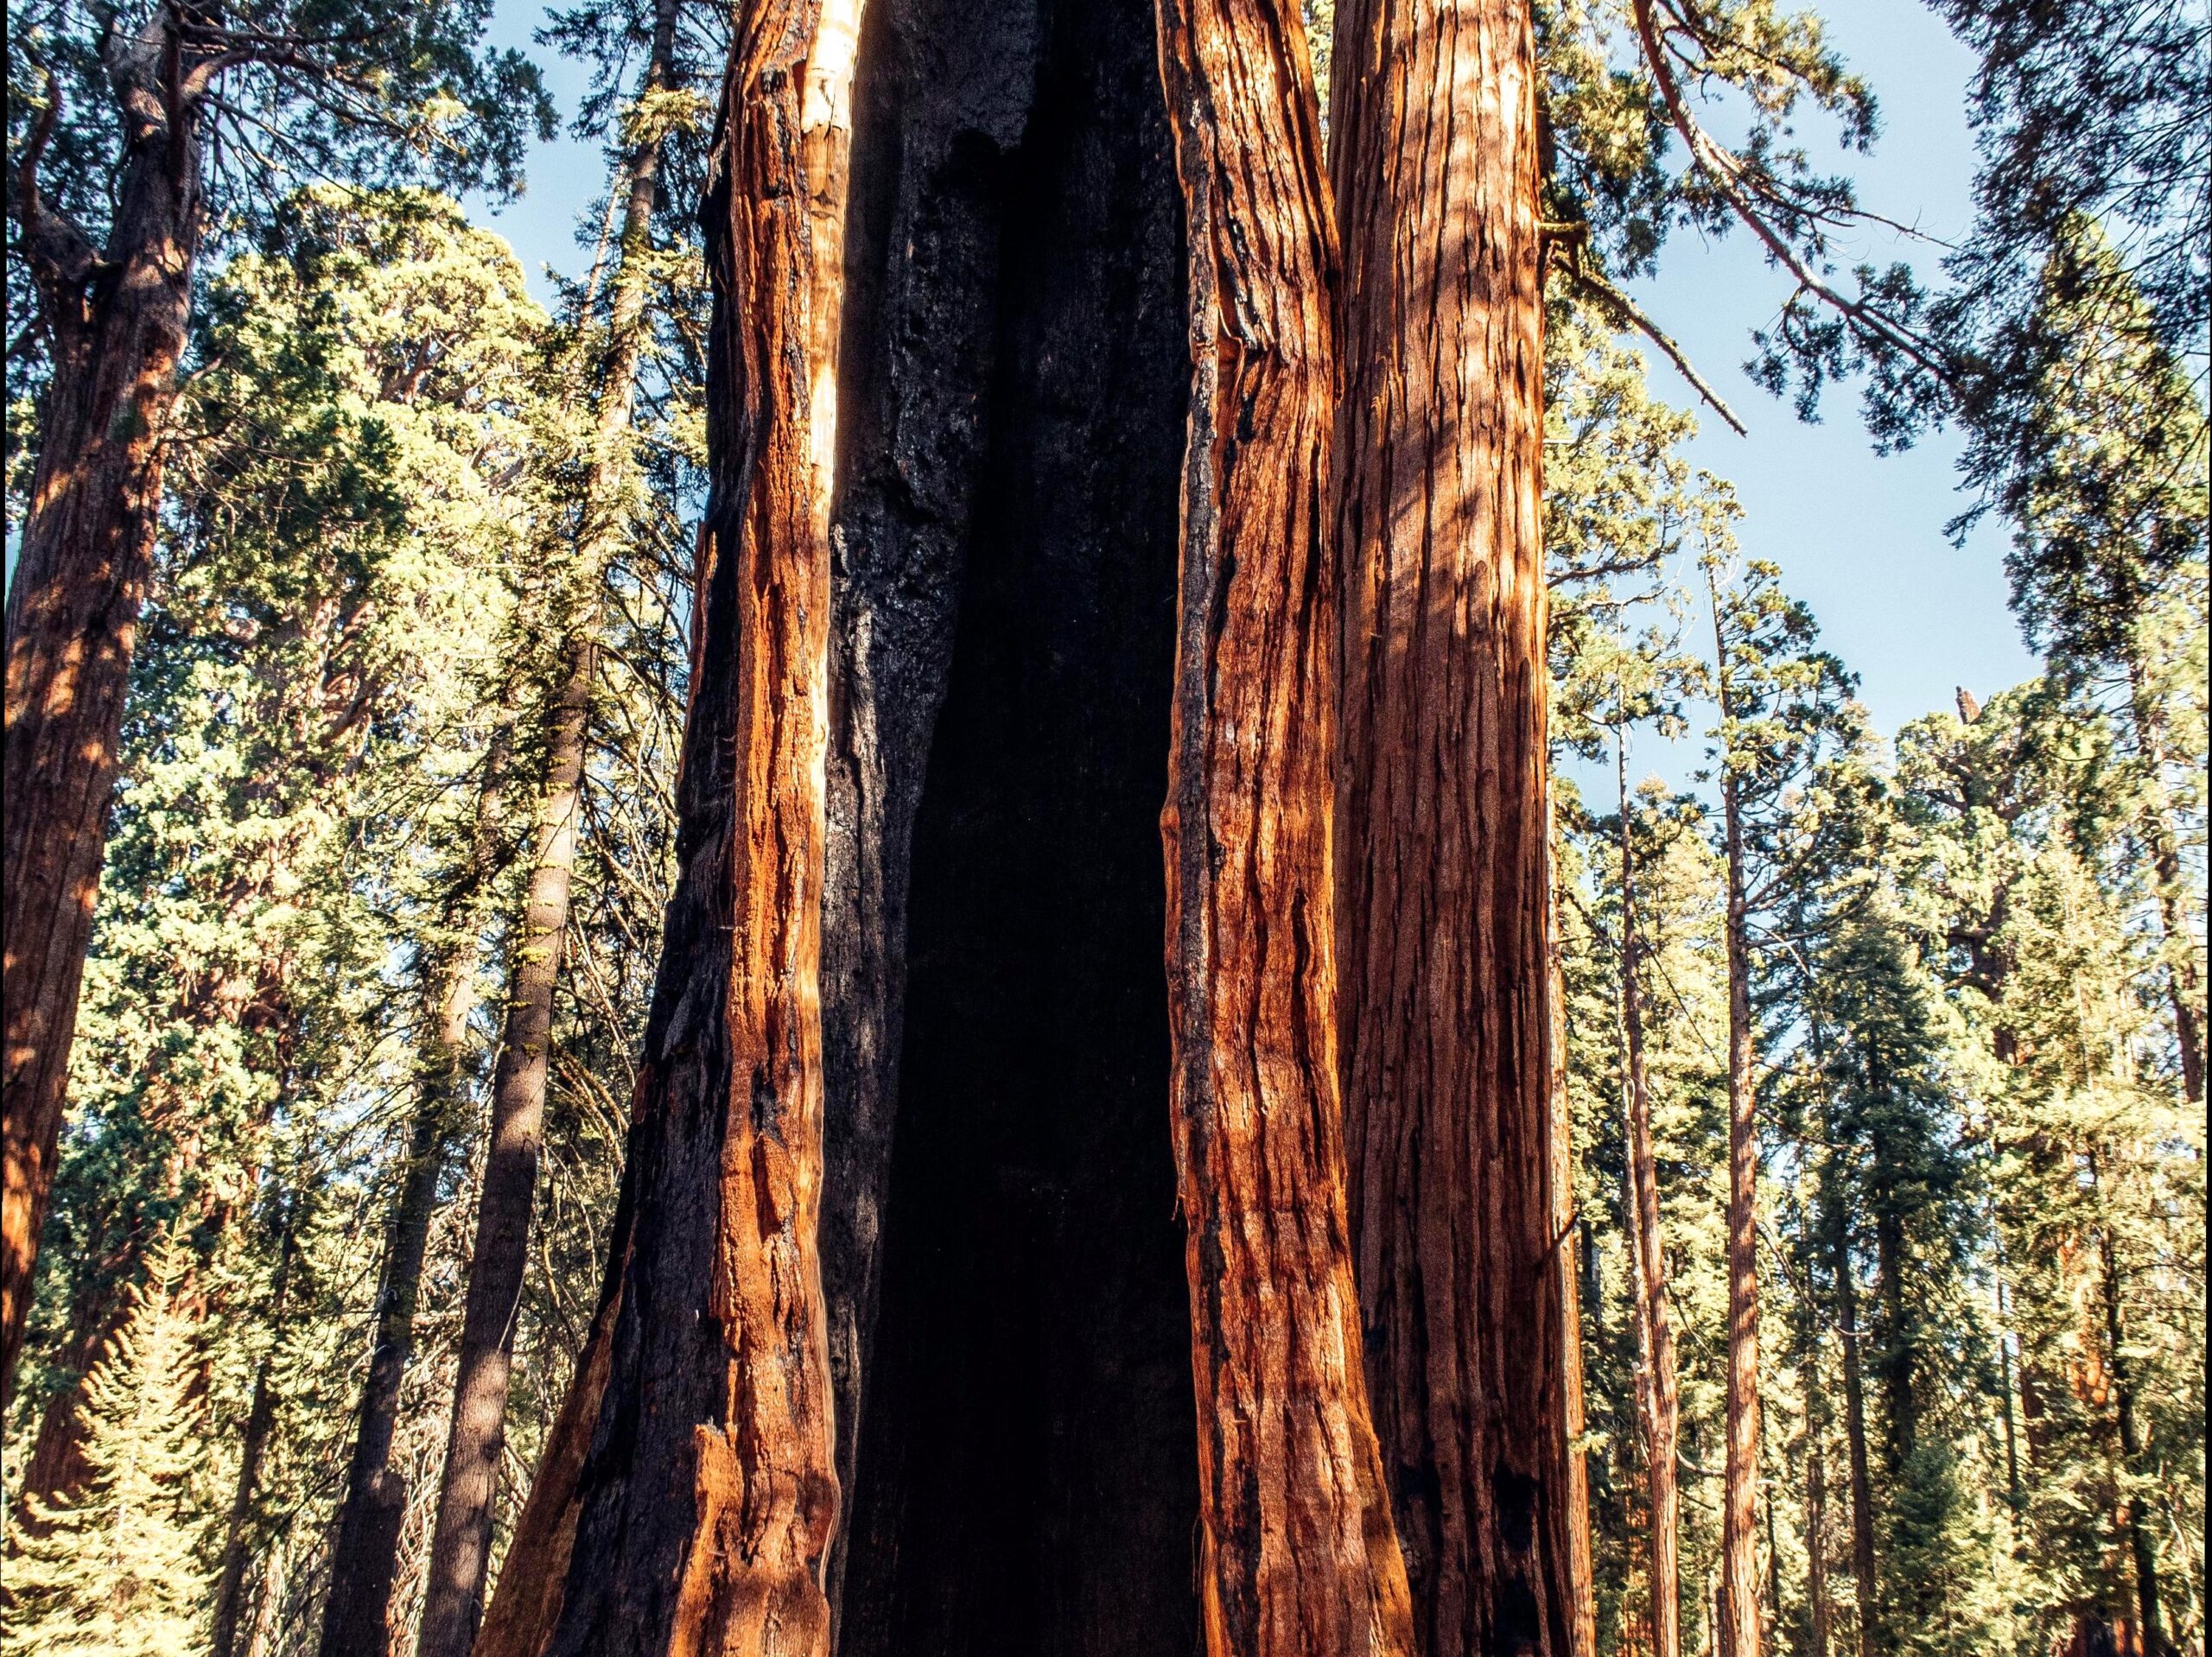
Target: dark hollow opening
[[1027, 1467]]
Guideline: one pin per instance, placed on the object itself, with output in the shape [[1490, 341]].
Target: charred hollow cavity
[[1002, 1256]]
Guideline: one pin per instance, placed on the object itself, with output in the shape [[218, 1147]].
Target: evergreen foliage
[[118, 1567]]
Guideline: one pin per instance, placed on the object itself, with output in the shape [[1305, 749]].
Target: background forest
[[395, 819]]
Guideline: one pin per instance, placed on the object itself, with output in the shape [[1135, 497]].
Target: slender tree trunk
[[363, 1554], [116, 324], [365, 1550], [689, 1496], [1739, 1577], [2142, 1546], [1900, 1405], [1862, 1486], [1817, 1518], [1657, 1390], [1286, 1446], [462, 1540], [260, 1422], [1442, 879], [2185, 986]]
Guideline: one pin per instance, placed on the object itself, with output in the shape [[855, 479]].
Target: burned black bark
[[1015, 1426]]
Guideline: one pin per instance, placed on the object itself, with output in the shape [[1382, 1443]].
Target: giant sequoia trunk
[[1465, 1272], [116, 320], [1071, 366]]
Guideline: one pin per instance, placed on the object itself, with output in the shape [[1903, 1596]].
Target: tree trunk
[[462, 1540], [1816, 1516], [1657, 1392], [705, 1497], [1443, 906], [1900, 1402], [260, 1422], [2142, 1546], [534, 1575], [117, 322], [1297, 1556], [1862, 1488], [365, 1549], [2185, 986], [1739, 1577]]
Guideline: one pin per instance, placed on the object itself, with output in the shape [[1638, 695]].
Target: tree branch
[[1627, 310]]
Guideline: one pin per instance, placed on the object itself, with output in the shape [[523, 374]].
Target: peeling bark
[[1444, 909], [1298, 1555]]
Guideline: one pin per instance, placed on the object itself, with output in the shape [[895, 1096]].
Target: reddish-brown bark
[[116, 321], [705, 1495], [1444, 908], [1298, 1558]]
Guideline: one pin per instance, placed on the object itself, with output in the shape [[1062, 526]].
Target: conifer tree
[[120, 1567]]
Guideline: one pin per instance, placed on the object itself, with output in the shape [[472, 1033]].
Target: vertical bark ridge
[[706, 1499], [1443, 792], [1297, 1551]]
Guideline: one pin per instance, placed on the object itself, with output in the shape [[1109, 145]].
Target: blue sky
[[1859, 536]]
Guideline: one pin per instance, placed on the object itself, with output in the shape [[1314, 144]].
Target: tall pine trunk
[[2142, 1543], [116, 321], [1297, 1554], [1739, 1575], [260, 1424], [365, 1552], [1863, 1568], [364, 1549], [1657, 1394], [1466, 1282], [461, 1538]]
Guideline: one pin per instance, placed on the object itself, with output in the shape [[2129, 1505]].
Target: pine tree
[[119, 1568]]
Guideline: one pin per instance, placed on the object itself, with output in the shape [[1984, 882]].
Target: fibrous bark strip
[[707, 1500], [1299, 1556]]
